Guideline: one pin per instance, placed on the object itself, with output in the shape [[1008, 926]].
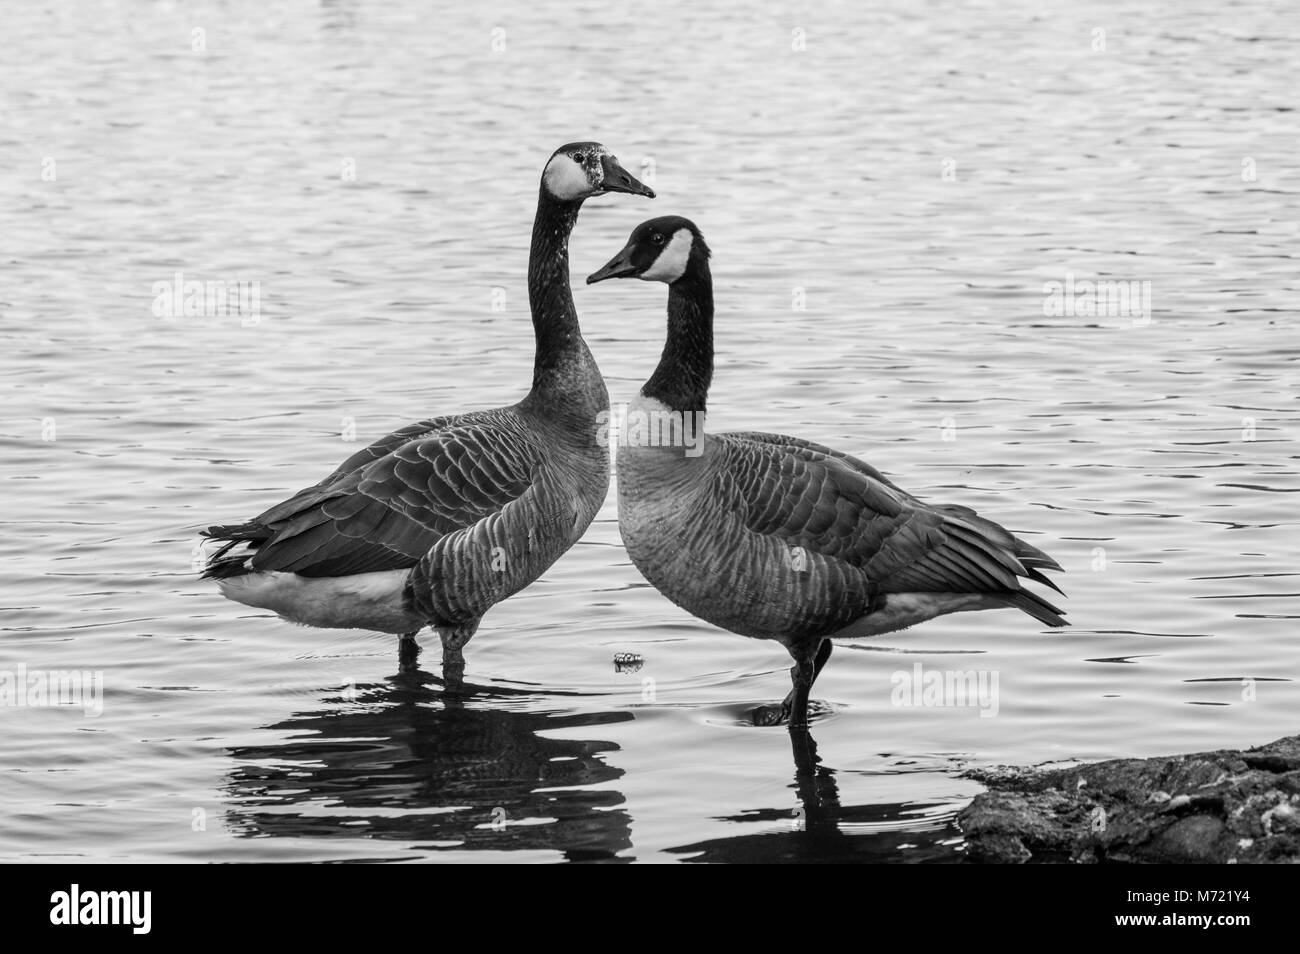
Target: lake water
[[887, 193]]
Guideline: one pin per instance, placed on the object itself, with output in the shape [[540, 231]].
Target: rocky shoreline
[[1224, 807]]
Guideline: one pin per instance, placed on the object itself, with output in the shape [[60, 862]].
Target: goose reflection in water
[[443, 769], [822, 831]]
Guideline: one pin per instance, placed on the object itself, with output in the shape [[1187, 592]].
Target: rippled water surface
[[910, 177]]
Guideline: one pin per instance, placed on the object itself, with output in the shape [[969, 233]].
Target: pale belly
[[364, 601], [901, 610]]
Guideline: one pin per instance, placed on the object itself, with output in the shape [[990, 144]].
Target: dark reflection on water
[[822, 830], [439, 770]]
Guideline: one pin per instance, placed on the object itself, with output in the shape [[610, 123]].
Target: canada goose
[[776, 537], [437, 522]]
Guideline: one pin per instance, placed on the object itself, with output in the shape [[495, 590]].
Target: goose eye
[[579, 157], [656, 238]]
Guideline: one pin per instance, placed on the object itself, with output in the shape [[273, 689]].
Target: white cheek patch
[[671, 263], [567, 180]]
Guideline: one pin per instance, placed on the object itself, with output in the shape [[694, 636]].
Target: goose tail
[[1034, 562], [222, 563], [1037, 607]]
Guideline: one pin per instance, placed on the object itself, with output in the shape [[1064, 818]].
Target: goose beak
[[618, 179], [620, 266]]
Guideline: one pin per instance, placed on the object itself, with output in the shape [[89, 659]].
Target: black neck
[[685, 369], [555, 320]]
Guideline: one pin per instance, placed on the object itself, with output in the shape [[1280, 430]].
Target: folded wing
[[385, 514], [835, 505]]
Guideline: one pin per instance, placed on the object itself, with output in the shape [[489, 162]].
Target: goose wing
[[387, 513], [839, 507], [781, 440], [386, 445]]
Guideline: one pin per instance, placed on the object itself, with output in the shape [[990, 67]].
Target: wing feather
[[842, 508], [402, 496]]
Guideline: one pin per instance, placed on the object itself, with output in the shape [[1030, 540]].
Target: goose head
[[581, 170], [661, 250]]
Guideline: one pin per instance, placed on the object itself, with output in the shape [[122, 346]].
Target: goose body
[[777, 537], [440, 520]]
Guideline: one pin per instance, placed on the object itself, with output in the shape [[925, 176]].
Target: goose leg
[[453, 668], [454, 639], [823, 654], [802, 674], [408, 652], [808, 663]]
